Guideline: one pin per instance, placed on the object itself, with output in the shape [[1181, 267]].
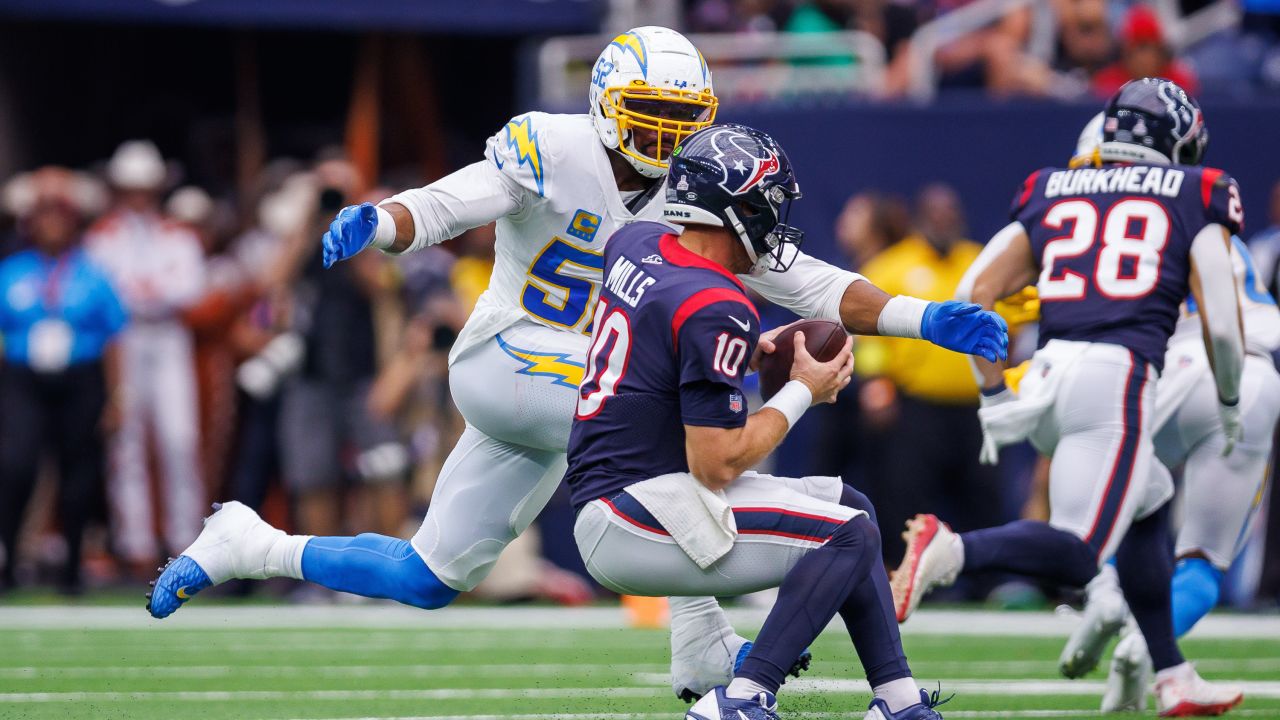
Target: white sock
[[284, 558], [744, 689], [1182, 671], [898, 694]]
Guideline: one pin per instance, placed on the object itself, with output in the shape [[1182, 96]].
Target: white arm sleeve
[[998, 244], [477, 194], [810, 288], [1220, 310], [994, 247]]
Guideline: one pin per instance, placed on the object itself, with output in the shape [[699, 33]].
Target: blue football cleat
[[923, 710], [179, 581], [716, 705], [801, 664]]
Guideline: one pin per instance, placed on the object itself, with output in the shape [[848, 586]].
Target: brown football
[[822, 338]]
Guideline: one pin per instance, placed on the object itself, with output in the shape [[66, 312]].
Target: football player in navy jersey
[[1113, 251], [663, 440]]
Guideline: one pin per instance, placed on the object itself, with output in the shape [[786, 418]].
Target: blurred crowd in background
[[1062, 48], [164, 349]]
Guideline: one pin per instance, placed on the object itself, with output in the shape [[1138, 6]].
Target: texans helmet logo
[[745, 170]]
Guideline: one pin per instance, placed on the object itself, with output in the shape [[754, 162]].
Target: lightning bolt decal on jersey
[[522, 138], [565, 372]]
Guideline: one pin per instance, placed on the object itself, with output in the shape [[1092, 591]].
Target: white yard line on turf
[[849, 715], [1019, 688], [321, 695], [378, 615], [321, 671], [645, 674], [1252, 688]]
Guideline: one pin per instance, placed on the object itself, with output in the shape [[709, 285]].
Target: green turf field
[[68, 663]]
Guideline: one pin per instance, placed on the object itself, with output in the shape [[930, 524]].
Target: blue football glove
[[350, 232], [967, 328]]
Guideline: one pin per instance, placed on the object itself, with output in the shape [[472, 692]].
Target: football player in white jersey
[[558, 187], [1222, 485]]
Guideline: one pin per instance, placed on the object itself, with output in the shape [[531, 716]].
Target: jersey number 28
[[1134, 229]]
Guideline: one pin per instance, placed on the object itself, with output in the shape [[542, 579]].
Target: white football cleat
[[1130, 675], [1181, 692], [1105, 612], [934, 558], [235, 543], [702, 663], [716, 705]]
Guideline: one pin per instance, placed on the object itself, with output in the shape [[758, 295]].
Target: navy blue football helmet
[[1153, 120], [738, 178]]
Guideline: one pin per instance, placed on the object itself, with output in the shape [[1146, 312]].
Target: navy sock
[[818, 587], [874, 634], [1196, 584], [1031, 547], [1145, 565], [374, 566]]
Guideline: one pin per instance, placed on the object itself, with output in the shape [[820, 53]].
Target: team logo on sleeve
[[742, 169], [523, 140]]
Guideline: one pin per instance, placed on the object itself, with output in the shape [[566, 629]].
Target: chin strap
[[637, 203]]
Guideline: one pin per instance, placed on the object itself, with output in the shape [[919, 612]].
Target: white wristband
[[384, 233], [792, 400], [901, 317]]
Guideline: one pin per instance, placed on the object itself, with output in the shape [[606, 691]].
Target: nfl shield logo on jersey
[[735, 402]]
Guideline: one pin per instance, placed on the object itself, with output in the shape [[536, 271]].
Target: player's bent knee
[[421, 588], [858, 534]]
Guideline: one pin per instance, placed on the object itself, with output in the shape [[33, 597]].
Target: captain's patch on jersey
[[583, 226]]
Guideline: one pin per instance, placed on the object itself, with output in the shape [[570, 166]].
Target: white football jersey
[[548, 182], [1257, 307], [549, 253]]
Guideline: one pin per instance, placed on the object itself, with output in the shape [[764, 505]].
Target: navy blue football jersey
[[673, 336], [1113, 245]]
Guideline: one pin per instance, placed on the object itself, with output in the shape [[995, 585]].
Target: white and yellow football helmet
[[650, 79], [1088, 146]]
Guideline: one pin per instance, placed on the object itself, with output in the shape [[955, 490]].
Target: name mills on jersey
[[628, 282], [1130, 179]]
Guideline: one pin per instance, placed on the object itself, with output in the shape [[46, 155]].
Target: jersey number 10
[[1133, 229], [606, 360]]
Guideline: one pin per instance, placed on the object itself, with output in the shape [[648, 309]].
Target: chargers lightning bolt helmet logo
[[738, 178], [631, 42]]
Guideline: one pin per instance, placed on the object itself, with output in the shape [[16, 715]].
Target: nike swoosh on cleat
[[182, 593], [746, 326]]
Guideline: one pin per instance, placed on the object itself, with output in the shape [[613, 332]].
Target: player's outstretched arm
[[1213, 285], [717, 456], [414, 219], [1005, 266]]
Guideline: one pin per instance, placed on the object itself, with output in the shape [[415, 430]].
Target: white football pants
[[517, 393], [1221, 493], [779, 521], [158, 391], [1098, 432]]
